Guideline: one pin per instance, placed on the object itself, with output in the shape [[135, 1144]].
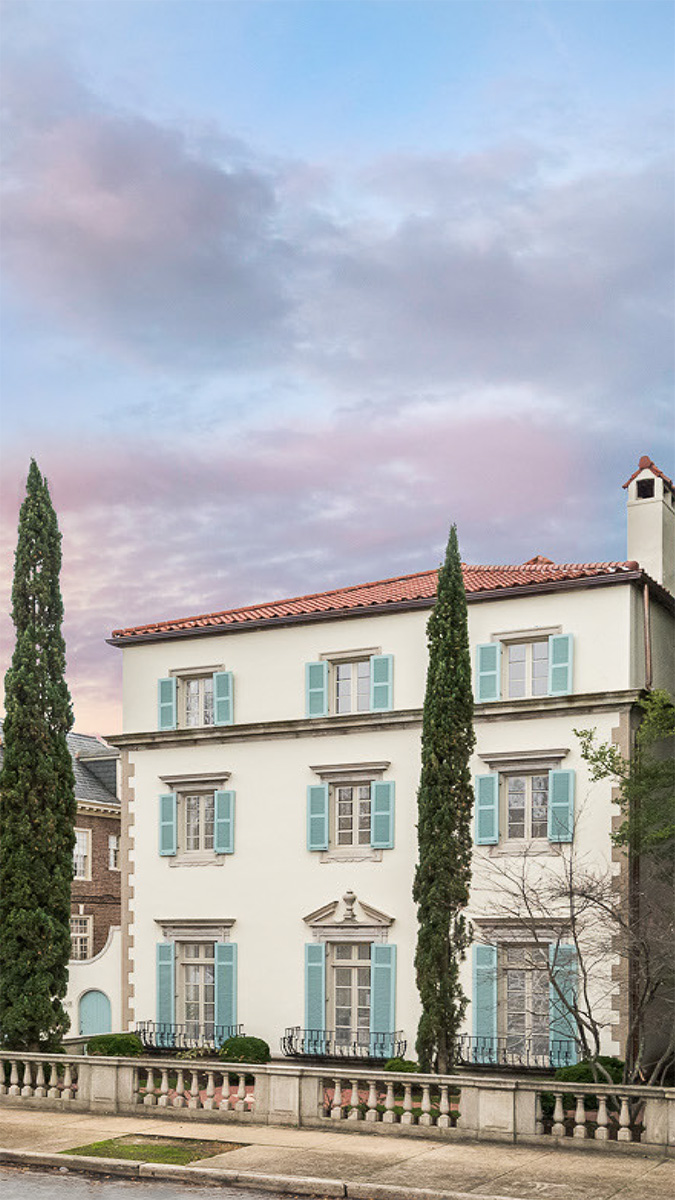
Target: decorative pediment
[[349, 920]]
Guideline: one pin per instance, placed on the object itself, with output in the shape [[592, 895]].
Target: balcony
[[516, 1053], [158, 1038], [343, 1044]]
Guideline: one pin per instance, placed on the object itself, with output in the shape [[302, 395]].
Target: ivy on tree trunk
[[445, 805], [37, 792]]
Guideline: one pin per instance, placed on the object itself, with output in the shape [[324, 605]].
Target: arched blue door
[[95, 1014]]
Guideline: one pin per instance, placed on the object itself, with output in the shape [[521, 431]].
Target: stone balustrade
[[366, 1098]]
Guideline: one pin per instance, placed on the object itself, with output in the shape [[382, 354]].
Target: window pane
[[343, 952], [539, 806], [207, 685], [363, 686], [209, 815], [516, 670], [516, 788], [192, 822], [345, 816], [539, 668], [343, 687], [192, 702]]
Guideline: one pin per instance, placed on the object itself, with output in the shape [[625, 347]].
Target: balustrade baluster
[[194, 1101], [163, 1099], [3, 1085], [225, 1096], [425, 1115], [371, 1113], [389, 1116], [67, 1093], [40, 1089], [602, 1130], [336, 1110], [558, 1129], [407, 1115], [443, 1121], [354, 1112], [209, 1101], [14, 1089], [624, 1134], [53, 1089], [538, 1114], [150, 1097], [179, 1098], [580, 1117], [240, 1105], [27, 1089]]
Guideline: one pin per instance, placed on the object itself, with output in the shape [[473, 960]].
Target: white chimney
[[651, 522]]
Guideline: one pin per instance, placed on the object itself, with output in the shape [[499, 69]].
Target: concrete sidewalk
[[334, 1163]]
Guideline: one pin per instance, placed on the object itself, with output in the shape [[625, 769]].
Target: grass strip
[[179, 1152]]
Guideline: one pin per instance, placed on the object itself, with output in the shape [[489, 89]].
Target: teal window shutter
[[488, 671], [316, 689], [485, 1002], [166, 984], [166, 703], [382, 1000], [317, 816], [562, 960], [560, 806], [382, 815], [223, 828], [168, 824], [486, 788], [560, 655], [315, 998], [226, 989], [223, 698], [381, 682]]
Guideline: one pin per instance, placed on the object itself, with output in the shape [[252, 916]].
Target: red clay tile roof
[[646, 464], [421, 586]]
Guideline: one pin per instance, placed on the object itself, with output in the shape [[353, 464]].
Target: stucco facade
[[325, 932]]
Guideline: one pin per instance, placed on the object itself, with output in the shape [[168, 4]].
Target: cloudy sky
[[290, 287]]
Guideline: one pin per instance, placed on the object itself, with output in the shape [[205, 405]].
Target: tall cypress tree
[[37, 792], [445, 803]]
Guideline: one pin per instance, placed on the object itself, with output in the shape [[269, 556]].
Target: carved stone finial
[[350, 900]]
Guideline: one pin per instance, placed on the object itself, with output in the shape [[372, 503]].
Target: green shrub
[[401, 1064], [582, 1072], [126, 1045], [245, 1050]]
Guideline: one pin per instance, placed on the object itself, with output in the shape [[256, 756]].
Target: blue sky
[[291, 286]]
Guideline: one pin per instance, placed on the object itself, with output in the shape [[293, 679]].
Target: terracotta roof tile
[[421, 586], [646, 464]]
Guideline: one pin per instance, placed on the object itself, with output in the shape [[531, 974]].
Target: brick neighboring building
[[95, 900]]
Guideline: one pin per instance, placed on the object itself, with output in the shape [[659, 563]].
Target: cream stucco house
[[270, 761]]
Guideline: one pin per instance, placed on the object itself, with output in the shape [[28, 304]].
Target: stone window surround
[[336, 773], [182, 784], [525, 762], [535, 634], [374, 927], [195, 929]]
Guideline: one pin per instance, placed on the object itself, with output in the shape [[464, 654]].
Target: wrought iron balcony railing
[[520, 1052], [342, 1043], [157, 1036]]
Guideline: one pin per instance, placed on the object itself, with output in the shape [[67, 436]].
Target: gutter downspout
[[647, 636]]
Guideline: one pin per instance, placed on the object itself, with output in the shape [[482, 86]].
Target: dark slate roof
[[95, 776]]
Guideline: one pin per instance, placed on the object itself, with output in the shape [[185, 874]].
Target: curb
[[218, 1177]]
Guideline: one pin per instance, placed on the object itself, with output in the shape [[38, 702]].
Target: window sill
[[523, 849], [198, 858], [350, 854]]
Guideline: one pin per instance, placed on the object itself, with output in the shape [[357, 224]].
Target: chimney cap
[[646, 464]]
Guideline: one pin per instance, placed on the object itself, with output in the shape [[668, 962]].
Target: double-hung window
[[526, 806], [80, 938], [198, 811], [351, 808], [198, 701], [113, 852], [195, 699], [357, 681], [524, 665], [82, 854], [526, 669]]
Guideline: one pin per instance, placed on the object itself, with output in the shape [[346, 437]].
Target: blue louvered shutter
[[166, 703], [168, 831], [382, 1000], [226, 990], [488, 671], [560, 655], [166, 992], [485, 1003], [223, 828], [560, 806], [486, 789], [317, 816], [223, 698], [562, 995], [316, 689], [381, 682], [315, 998], [382, 815]]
